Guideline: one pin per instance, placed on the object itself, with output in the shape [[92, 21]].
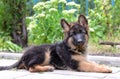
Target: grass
[[96, 48]]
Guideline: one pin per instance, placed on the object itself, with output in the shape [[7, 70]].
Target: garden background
[[33, 22]]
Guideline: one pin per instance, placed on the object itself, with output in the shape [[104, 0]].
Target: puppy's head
[[76, 33]]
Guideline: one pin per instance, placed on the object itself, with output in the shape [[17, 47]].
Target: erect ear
[[82, 20], [65, 25]]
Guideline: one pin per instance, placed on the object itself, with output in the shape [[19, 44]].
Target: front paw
[[50, 68], [105, 69]]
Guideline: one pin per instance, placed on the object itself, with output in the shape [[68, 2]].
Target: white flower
[[54, 1], [47, 6], [62, 1], [73, 4], [91, 29], [52, 10], [77, 5], [67, 12], [39, 6], [31, 25], [72, 11], [40, 15], [41, 3], [30, 18], [47, 2]]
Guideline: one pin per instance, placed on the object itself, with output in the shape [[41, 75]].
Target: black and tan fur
[[68, 54]]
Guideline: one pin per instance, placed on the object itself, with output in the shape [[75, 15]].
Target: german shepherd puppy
[[68, 54]]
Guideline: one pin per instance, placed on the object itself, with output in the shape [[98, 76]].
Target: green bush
[[6, 45], [104, 20], [11, 15], [44, 25]]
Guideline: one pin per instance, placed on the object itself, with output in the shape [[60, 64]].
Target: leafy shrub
[[104, 20], [11, 18], [116, 17], [44, 25], [6, 45]]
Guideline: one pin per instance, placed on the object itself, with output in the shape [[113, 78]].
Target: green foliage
[[9, 9], [44, 25], [104, 19], [10, 17], [7, 45], [115, 16]]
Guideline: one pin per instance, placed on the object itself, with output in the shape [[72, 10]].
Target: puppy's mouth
[[79, 44], [75, 45]]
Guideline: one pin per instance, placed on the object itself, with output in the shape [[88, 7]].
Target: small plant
[[12, 25], [7, 46], [104, 20], [44, 25]]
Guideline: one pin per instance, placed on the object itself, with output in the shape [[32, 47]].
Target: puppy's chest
[[73, 51]]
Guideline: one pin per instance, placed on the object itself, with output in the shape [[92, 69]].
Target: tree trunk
[[19, 30], [14, 23], [20, 36]]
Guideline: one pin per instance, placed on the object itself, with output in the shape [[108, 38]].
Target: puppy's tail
[[15, 65]]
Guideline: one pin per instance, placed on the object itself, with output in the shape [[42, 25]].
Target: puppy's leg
[[39, 68], [87, 66]]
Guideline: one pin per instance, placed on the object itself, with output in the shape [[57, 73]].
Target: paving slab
[[46, 75], [10, 58], [9, 74], [107, 60], [57, 74], [113, 76]]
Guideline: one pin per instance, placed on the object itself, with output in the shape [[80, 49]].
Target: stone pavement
[[59, 74]]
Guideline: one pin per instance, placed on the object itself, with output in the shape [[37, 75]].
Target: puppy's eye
[[80, 31], [72, 33], [84, 31]]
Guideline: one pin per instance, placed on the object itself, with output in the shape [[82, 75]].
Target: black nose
[[80, 41]]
